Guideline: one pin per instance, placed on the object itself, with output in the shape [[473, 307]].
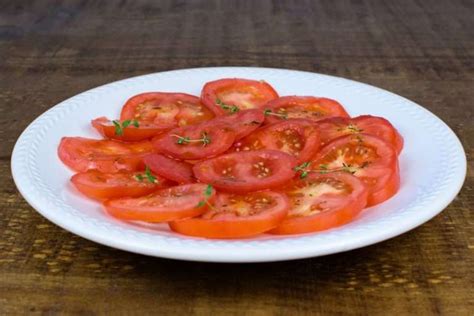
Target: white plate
[[432, 164]]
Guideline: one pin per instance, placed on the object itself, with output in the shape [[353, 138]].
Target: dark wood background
[[51, 50]]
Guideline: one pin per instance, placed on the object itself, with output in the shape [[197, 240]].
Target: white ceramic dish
[[432, 164]]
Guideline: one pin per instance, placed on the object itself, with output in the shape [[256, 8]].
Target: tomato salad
[[236, 162]]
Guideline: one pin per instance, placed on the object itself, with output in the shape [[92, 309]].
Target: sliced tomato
[[196, 142], [227, 96], [322, 201], [242, 172], [243, 122], [299, 138], [127, 132], [311, 108], [101, 186], [368, 157], [166, 110], [332, 128], [169, 168], [83, 154], [169, 204], [237, 216]]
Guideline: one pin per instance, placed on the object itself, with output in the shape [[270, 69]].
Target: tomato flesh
[[109, 156], [369, 158], [166, 110], [242, 172], [303, 107], [299, 138], [101, 186], [237, 216], [226, 96], [242, 123], [196, 142], [128, 134], [169, 168], [332, 128], [169, 204], [322, 201]]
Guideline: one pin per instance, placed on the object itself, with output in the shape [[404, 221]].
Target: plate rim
[[290, 255]]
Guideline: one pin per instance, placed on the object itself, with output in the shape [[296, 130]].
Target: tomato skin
[[102, 186], [342, 209], [242, 123], [164, 205], [228, 226], [179, 109], [227, 90], [284, 136], [108, 156], [335, 127], [221, 138], [240, 172], [304, 107], [169, 168], [381, 175], [130, 134]]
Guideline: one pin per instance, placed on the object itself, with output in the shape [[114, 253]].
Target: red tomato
[[237, 216], [171, 169], [299, 138], [242, 172], [82, 154], [166, 109], [311, 108], [322, 201], [334, 127], [169, 204], [130, 133], [243, 122], [196, 142], [101, 186], [369, 158], [227, 96]]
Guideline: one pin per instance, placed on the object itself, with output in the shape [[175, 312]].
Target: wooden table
[[52, 50]]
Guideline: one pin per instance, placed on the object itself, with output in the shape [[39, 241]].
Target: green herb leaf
[[208, 190], [135, 123], [150, 176], [230, 108], [126, 123], [201, 204], [118, 128], [139, 177]]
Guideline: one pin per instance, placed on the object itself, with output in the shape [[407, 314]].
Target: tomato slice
[[243, 172], [101, 186], [169, 168], [125, 130], [196, 142], [237, 216], [82, 154], [243, 122], [227, 96], [169, 204], [368, 157], [166, 110], [311, 108], [299, 138], [322, 201], [332, 128]]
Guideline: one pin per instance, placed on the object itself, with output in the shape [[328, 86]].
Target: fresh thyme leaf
[[139, 177], [324, 167], [126, 123], [135, 123], [304, 174], [227, 107], [118, 128], [150, 176], [268, 112], [208, 190], [201, 204]]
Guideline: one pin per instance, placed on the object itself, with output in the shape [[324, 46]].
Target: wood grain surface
[[51, 50]]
